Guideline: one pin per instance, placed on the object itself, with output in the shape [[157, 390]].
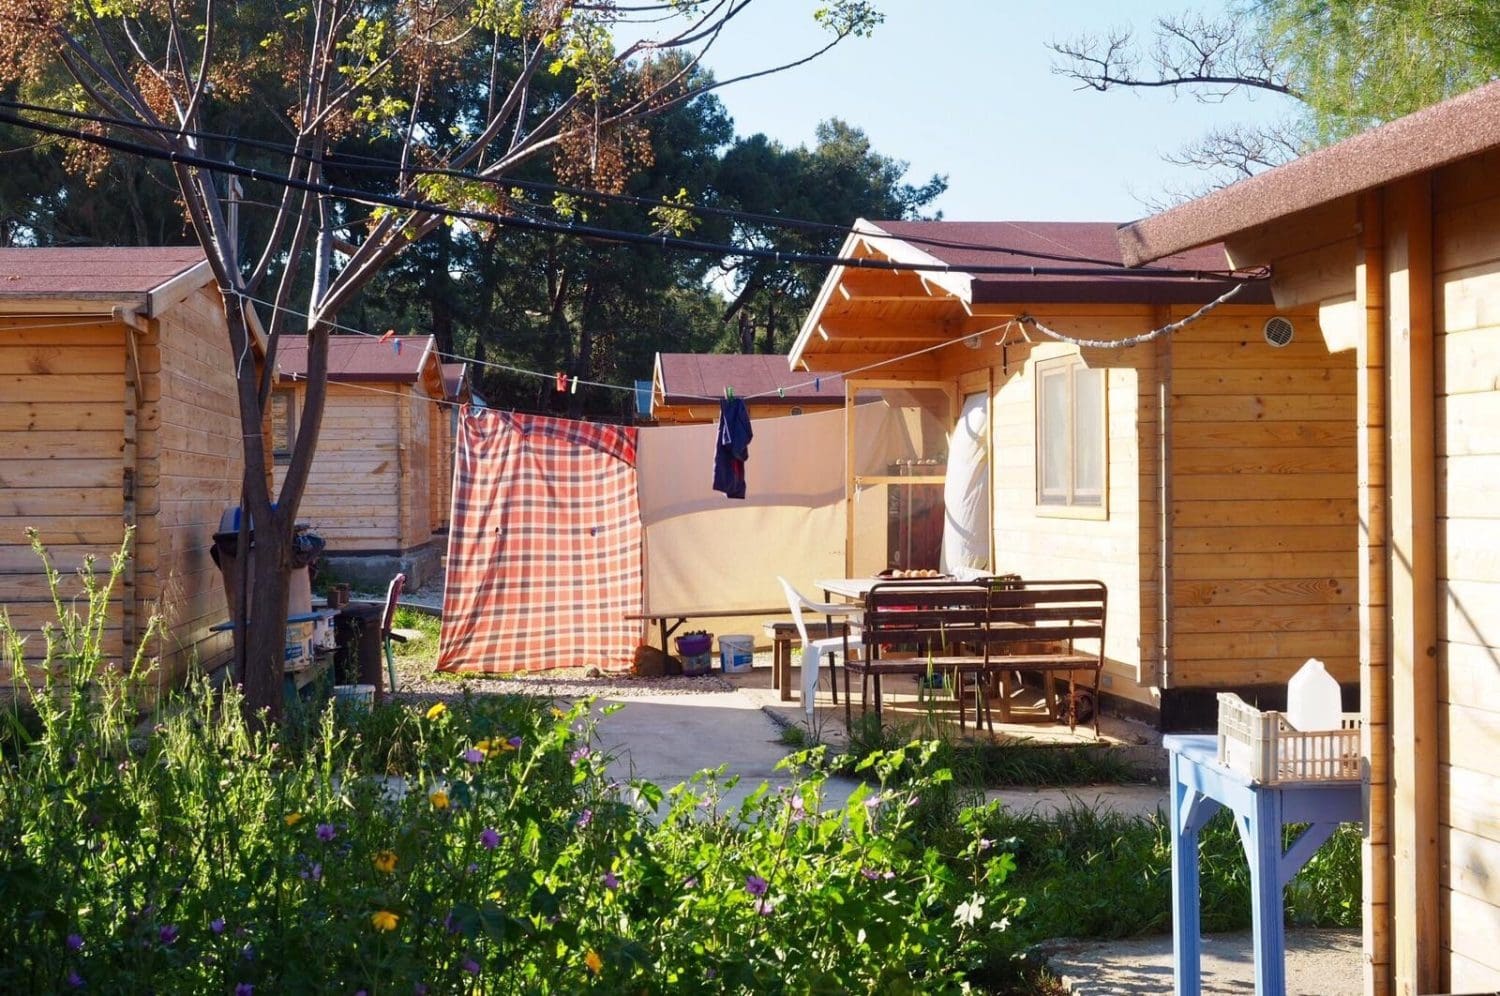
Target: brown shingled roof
[[105, 273], [453, 379], [690, 377], [1089, 245], [359, 358], [1441, 134]]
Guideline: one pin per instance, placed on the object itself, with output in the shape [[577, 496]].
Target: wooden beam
[[1162, 677], [1413, 586], [850, 468]]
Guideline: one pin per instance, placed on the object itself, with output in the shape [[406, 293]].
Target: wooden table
[[677, 618], [1200, 786]]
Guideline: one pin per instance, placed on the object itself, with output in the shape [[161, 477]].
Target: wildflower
[[593, 961], [579, 756], [870, 873], [292, 819], [765, 904], [471, 869], [483, 747], [385, 861], [439, 799], [489, 838], [985, 843], [691, 882], [967, 913], [167, 934], [473, 755], [326, 831], [514, 743], [798, 806], [216, 925], [437, 710], [610, 881], [75, 980], [755, 885], [244, 989], [585, 818], [384, 920], [75, 942], [471, 966], [248, 952], [557, 713]]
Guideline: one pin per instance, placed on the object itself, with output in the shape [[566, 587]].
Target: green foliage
[[423, 646], [1358, 63]]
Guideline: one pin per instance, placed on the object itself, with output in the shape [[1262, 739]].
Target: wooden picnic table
[[678, 617]]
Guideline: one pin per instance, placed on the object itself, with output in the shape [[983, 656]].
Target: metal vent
[[1278, 331], [796, 410]]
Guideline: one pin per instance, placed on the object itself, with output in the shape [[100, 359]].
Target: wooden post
[[849, 471], [1413, 587], [129, 482], [1374, 666], [1163, 665]]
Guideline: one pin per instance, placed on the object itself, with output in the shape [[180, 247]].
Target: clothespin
[[396, 345], [781, 392], [562, 381], [728, 392], [575, 386], [817, 383], [389, 335]]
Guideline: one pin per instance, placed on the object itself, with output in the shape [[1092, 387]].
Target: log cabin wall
[[1263, 484], [1466, 299], [415, 415], [354, 490], [62, 424], [191, 465]]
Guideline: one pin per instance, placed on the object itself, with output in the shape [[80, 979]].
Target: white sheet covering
[[966, 492]]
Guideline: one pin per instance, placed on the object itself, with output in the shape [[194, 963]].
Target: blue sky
[[964, 87]]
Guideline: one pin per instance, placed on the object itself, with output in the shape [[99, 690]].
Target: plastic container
[[736, 653], [697, 665], [354, 696], [694, 644], [1265, 747], [1313, 699], [324, 637], [299, 644]]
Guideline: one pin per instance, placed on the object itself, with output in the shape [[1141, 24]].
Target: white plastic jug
[[1313, 701]]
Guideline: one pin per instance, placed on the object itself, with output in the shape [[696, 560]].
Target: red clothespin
[[389, 335], [562, 382]]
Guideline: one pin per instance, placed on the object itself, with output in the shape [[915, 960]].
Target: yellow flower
[[557, 713], [439, 799], [483, 747], [385, 861], [593, 961], [437, 710], [384, 920], [292, 819]]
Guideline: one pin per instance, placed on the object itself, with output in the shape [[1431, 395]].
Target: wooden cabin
[[117, 409], [1206, 476], [379, 489], [1393, 238], [686, 387]]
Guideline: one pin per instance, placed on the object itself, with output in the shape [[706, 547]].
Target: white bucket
[[299, 643], [354, 696], [736, 653]]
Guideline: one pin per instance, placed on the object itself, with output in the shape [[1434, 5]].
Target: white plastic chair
[[813, 650]]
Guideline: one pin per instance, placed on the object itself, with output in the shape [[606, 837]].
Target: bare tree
[[219, 80]]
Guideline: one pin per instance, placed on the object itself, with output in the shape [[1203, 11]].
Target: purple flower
[[691, 883], [471, 966], [585, 818], [797, 805], [515, 743], [473, 755], [248, 952], [167, 934], [765, 904], [471, 868], [75, 942], [869, 873], [985, 843], [326, 832], [755, 885], [216, 925], [579, 755], [244, 989], [450, 924], [317, 872], [489, 838], [74, 979], [610, 882]]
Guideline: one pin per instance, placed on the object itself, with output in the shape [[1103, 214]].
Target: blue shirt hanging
[[733, 447]]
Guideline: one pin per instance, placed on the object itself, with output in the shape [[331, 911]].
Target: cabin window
[[1071, 437], [283, 410]]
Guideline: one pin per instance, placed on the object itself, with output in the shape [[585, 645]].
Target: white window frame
[[1070, 502]]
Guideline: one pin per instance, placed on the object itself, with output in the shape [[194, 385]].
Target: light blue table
[[1200, 787]]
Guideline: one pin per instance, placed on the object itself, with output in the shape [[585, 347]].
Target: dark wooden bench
[[983, 631]]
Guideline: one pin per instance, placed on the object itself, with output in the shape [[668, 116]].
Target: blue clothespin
[[396, 345], [817, 383]]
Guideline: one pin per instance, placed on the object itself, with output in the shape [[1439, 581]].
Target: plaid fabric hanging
[[544, 553]]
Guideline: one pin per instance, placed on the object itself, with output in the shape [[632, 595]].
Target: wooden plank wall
[[62, 419], [352, 490], [415, 421], [1467, 301], [191, 462], [1119, 550], [440, 464], [1264, 539]]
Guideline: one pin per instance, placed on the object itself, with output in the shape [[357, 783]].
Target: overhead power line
[[1112, 268]]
